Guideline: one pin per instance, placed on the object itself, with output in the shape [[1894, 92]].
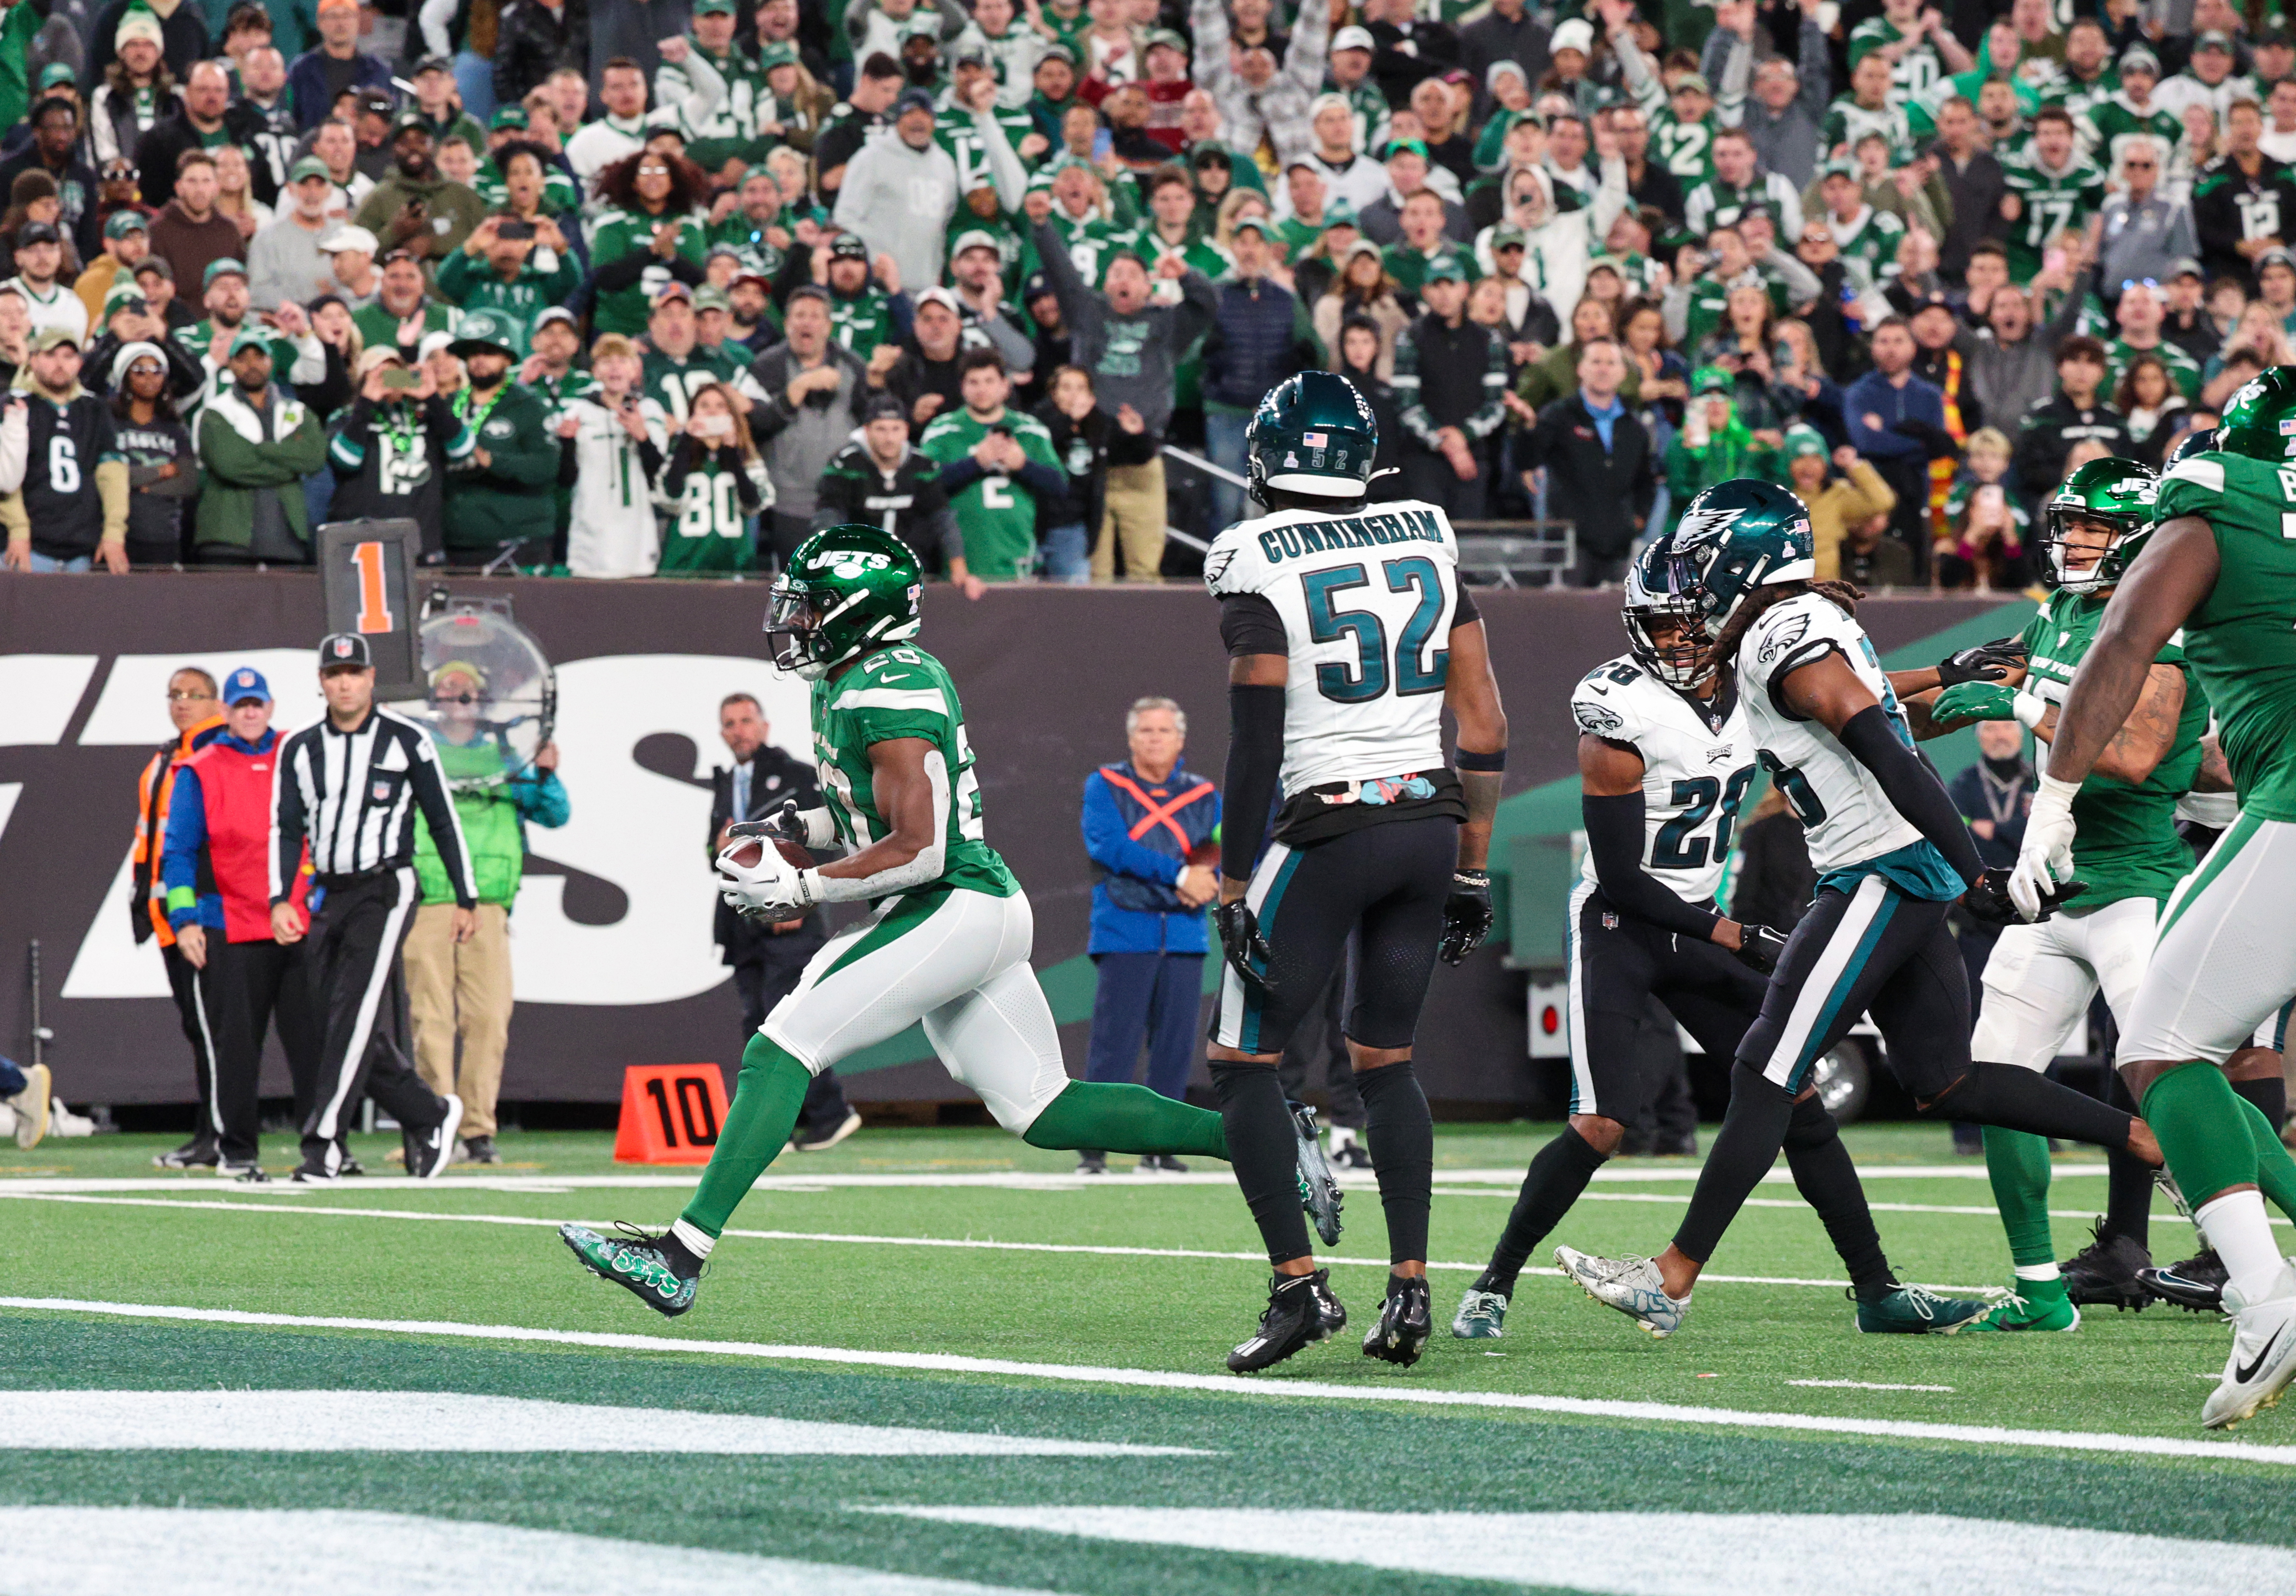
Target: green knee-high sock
[[2018, 1163], [1127, 1119], [2194, 1113], [766, 1099], [2275, 1171]]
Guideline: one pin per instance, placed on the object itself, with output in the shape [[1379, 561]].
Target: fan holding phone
[[389, 446], [713, 487]]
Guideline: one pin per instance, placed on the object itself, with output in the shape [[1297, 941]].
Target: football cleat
[[1092, 1163], [1911, 1311], [2030, 1306], [2263, 1358], [1406, 1320], [250, 1174], [1481, 1316], [1328, 1306], [1297, 1315], [636, 1262], [1631, 1285], [1319, 1188], [2103, 1274], [194, 1154], [2197, 1283]]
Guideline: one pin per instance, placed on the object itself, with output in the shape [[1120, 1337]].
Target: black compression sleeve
[[1912, 786], [1614, 836], [1250, 624], [1255, 759], [1464, 613]]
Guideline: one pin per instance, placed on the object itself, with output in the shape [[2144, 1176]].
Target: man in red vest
[[216, 868]]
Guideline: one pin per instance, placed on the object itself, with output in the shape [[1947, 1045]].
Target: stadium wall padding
[[611, 933]]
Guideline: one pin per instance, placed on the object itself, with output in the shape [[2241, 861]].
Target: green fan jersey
[[956, 132], [758, 252], [2239, 641], [730, 133], [2113, 123], [2054, 203], [1847, 121], [1914, 71], [1870, 238], [559, 194], [2184, 370], [996, 514], [1090, 243], [897, 692], [2126, 844], [616, 233], [707, 533], [672, 383], [1685, 149], [863, 322]]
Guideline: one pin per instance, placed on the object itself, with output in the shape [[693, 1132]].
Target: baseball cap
[[2187, 266], [781, 53], [349, 238], [713, 8], [1805, 440], [1259, 225], [913, 99], [1507, 235], [1353, 38], [2276, 257], [249, 338], [246, 683], [53, 338], [225, 268], [976, 239], [941, 297], [310, 166], [38, 233], [707, 297], [1164, 38], [508, 116], [715, 251], [848, 246], [327, 5], [376, 103], [345, 648], [1339, 213], [56, 72], [410, 118], [2137, 55], [433, 343], [1057, 51], [672, 290], [1693, 80], [374, 355], [556, 313], [884, 407], [439, 64], [122, 223], [1711, 380], [1038, 286], [1397, 146], [2212, 40], [1445, 268], [972, 55]]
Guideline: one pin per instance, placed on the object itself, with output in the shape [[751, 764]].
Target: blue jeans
[[1223, 433], [1154, 996], [12, 1079], [474, 80], [1063, 555], [42, 563]]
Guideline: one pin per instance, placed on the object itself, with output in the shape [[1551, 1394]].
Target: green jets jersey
[[2113, 123], [2184, 370], [730, 133], [1847, 121], [672, 383], [758, 252], [707, 533], [1870, 238], [2083, 99], [997, 515], [2125, 845], [863, 322], [617, 233], [956, 132], [2054, 203], [559, 194], [2238, 641], [1913, 72], [894, 693], [1089, 242], [1685, 149]]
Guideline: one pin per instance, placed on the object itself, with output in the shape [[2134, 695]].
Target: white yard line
[[1399, 1392], [1867, 1385]]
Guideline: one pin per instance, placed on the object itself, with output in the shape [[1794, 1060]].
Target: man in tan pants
[[462, 992], [1132, 522]]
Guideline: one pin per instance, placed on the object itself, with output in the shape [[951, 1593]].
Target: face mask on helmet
[[1667, 638], [793, 631], [2099, 562]]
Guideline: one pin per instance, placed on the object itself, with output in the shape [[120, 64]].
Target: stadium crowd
[[623, 289]]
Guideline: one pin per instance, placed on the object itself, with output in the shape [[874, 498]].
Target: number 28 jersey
[[1366, 602], [1695, 771]]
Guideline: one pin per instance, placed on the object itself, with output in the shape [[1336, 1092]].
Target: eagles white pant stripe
[[1582, 1076], [2039, 979], [2225, 963], [1235, 1003], [1814, 1004], [394, 929], [964, 972]]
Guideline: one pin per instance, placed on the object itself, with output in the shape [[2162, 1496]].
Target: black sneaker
[[350, 1165], [2197, 1283], [429, 1150], [2103, 1274], [246, 1174], [1161, 1164], [194, 1154], [312, 1175], [1092, 1163], [1406, 1320], [480, 1149], [1296, 1317]]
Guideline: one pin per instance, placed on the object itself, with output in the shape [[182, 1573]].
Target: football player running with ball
[[2218, 565], [1892, 856], [1348, 636], [948, 939], [2040, 979], [1664, 761]]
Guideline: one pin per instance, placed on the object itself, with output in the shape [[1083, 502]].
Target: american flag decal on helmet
[[1314, 440]]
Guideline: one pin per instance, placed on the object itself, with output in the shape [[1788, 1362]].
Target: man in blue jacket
[[1150, 827], [1897, 421]]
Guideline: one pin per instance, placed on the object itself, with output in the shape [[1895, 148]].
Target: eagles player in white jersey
[[1664, 761], [1348, 636], [1892, 856]]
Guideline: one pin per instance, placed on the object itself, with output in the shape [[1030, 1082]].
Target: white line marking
[[1678, 1198], [1705, 1554], [1867, 1385], [136, 1550], [838, 1238], [267, 1420], [1657, 1413]]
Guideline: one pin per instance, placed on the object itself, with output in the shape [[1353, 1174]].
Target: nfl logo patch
[[381, 791], [343, 648], [1610, 921]]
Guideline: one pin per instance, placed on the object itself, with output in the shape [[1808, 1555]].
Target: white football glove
[[2047, 856], [773, 885]]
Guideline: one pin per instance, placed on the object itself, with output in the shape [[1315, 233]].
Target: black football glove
[[1240, 944], [1986, 901], [1466, 915], [1987, 662], [1758, 947]]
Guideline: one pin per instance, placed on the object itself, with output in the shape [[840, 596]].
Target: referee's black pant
[[246, 985], [353, 945], [191, 1009]]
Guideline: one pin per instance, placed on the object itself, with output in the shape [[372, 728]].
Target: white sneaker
[[28, 1110], [2263, 1358], [63, 1122], [1633, 1285]]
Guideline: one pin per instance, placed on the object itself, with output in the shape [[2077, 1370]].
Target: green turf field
[[933, 1356]]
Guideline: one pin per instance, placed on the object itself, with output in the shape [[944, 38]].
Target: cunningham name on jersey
[[1366, 602], [1849, 817], [1695, 771]]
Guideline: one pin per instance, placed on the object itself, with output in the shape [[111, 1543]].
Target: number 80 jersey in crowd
[[1698, 761], [1365, 602]]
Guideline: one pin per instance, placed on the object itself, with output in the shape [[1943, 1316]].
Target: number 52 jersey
[[1366, 603], [1698, 760]]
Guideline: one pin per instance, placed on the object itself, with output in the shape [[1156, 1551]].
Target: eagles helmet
[[2199, 441], [1652, 601], [1733, 538], [2259, 421], [2118, 492], [1314, 435], [847, 590]]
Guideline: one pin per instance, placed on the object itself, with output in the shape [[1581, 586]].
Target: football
[[748, 850]]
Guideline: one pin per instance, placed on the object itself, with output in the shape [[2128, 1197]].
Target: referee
[[349, 787]]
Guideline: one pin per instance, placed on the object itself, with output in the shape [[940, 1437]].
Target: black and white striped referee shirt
[[352, 795]]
